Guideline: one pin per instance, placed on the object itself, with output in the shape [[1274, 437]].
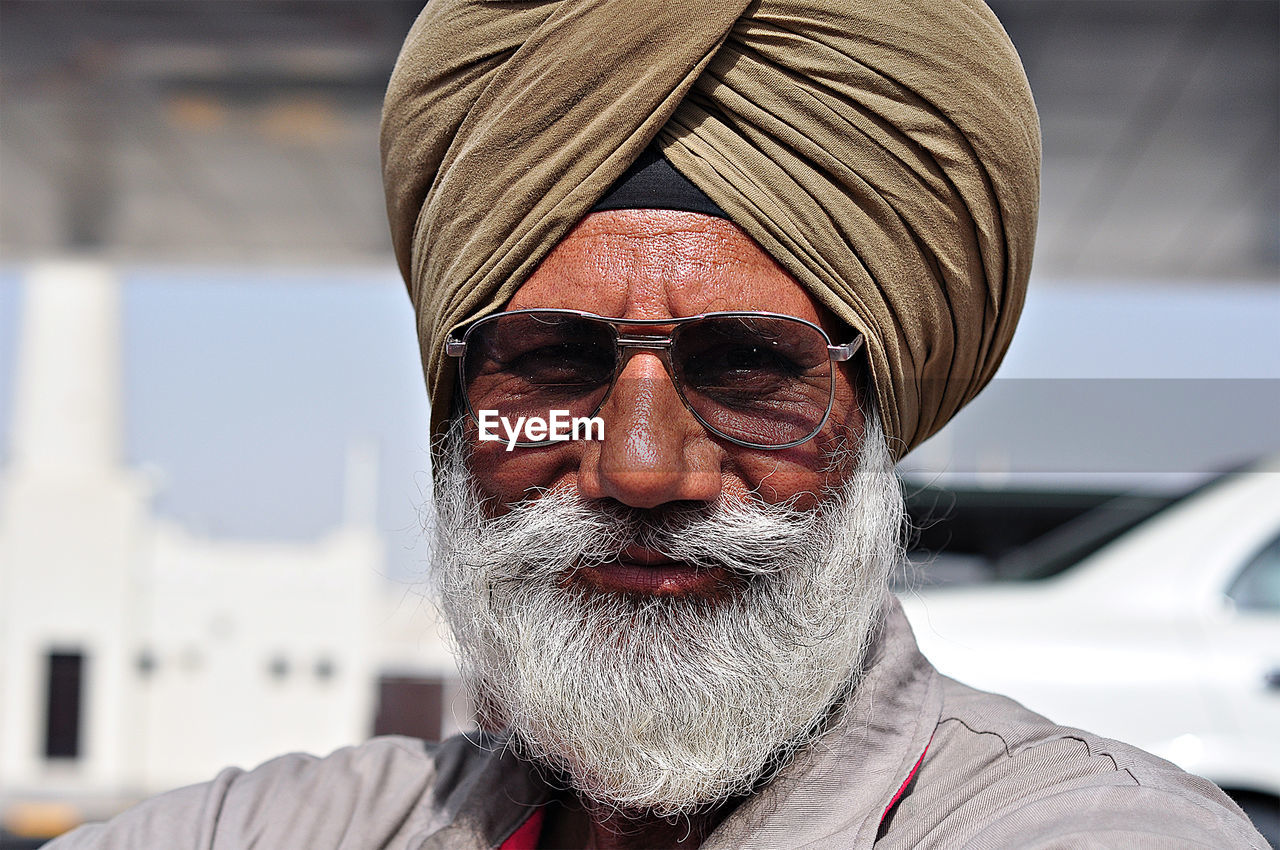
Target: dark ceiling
[[239, 131]]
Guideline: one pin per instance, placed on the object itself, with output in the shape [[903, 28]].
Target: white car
[[1168, 638]]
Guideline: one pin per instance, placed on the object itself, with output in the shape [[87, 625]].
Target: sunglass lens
[[757, 379], [527, 364]]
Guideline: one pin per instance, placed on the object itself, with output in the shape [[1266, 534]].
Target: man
[[770, 247]]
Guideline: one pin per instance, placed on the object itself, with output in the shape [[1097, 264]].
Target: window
[[1257, 587], [278, 668], [63, 698], [410, 705], [325, 669]]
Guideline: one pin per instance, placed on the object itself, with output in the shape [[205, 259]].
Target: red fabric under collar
[[526, 837], [903, 789]]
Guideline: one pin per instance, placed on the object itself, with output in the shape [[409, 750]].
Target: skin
[[654, 264]]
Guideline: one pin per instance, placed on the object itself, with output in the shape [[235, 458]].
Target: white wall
[[86, 566]]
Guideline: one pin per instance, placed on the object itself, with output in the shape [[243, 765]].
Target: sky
[[244, 389], [1119, 385]]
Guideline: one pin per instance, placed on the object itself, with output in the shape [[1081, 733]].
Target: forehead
[[645, 264]]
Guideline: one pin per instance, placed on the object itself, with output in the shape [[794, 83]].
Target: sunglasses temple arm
[[841, 353]]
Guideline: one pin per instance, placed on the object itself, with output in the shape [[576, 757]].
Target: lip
[[643, 571]]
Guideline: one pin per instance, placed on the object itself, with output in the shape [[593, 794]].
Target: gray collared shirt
[[992, 775]]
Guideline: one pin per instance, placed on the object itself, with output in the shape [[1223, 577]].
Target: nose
[[653, 451]]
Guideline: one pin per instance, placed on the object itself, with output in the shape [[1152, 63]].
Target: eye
[[757, 368], [563, 362], [755, 358]]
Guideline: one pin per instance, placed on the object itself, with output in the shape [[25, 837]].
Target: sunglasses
[[760, 380]]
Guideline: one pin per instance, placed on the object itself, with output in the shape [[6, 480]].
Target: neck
[[572, 823]]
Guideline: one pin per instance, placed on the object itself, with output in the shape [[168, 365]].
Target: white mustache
[[745, 538]]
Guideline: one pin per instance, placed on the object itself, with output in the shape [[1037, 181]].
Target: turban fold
[[885, 152]]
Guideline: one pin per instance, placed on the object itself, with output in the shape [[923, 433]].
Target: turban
[[885, 152]]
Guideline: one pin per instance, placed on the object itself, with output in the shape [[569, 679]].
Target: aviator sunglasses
[[760, 380]]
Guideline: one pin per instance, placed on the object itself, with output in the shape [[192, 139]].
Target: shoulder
[[386, 789], [999, 775]]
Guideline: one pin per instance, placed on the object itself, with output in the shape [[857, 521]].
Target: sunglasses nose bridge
[[659, 346], [645, 342]]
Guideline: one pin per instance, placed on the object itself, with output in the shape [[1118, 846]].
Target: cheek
[[798, 473], [507, 477], [806, 472]]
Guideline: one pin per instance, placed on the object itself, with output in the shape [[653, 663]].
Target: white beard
[[665, 705]]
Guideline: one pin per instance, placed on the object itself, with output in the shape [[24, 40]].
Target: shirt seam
[[1093, 753]]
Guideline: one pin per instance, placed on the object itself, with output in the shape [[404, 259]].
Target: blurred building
[[137, 656], [247, 130]]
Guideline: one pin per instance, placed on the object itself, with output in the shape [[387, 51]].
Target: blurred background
[[213, 430]]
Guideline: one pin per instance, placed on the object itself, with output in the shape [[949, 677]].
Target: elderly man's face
[[662, 614], [655, 264]]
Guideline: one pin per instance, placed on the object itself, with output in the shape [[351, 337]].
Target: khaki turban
[[885, 152]]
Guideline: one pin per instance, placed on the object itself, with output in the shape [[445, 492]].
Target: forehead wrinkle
[[673, 271], [655, 264]]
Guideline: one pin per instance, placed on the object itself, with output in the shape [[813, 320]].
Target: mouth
[[643, 571]]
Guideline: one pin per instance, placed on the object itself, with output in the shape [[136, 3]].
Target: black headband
[[651, 183]]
